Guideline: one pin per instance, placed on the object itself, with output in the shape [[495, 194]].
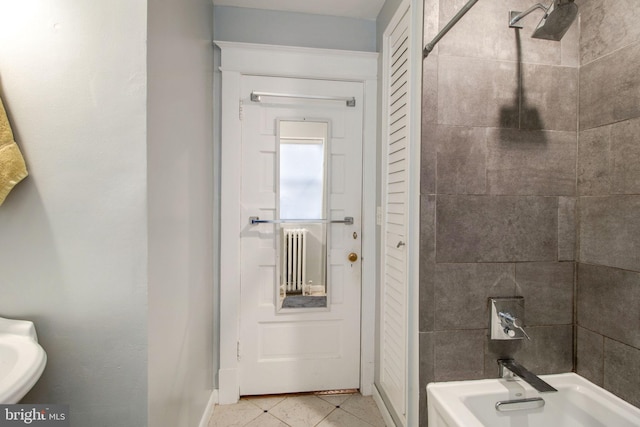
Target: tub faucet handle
[[510, 322]]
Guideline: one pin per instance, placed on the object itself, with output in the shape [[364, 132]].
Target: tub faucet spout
[[509, 367]]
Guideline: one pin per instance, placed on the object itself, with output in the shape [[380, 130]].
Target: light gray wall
[[498, 190], [76, 232], [293, 29], [180, 181], [73, 256], [608, 288], [389, 9]]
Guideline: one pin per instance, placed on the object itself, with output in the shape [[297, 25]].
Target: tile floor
[[301, 410]]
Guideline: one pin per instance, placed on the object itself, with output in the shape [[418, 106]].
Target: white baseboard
[[386, 416], [208, 411]]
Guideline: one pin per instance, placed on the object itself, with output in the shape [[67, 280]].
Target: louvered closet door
[[394, 268]]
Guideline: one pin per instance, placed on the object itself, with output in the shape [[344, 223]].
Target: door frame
[[238, 59]]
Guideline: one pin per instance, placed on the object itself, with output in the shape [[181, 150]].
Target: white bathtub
[[577, 403]]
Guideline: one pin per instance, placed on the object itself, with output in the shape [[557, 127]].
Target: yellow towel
[[12, 167]]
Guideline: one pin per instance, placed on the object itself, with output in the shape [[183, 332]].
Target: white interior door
[[294, 350]]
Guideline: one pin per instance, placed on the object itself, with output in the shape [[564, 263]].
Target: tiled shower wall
[[498, 191], [608, 284]]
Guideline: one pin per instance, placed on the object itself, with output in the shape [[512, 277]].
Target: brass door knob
[[353, 257]]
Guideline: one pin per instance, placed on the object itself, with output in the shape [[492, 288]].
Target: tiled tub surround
[[608, 268], [530, 186]]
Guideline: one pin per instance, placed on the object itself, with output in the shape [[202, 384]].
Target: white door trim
[[239, 59]]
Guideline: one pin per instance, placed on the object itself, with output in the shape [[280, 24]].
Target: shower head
[[557, 19]]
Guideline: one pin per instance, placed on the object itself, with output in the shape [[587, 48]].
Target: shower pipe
[[429, 47]]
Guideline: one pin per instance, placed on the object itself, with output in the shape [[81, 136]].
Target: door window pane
[[302, 188]]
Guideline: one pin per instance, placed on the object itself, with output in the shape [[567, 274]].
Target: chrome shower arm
[[518, 16], [429, 47]]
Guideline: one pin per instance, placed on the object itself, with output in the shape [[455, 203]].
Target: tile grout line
[[335, 407], [352, 414], [327, 416], [264, 411]]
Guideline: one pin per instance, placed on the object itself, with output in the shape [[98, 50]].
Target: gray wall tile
[[610, 231], [567, 230], [477, 92], [608, 302], [496, 229], [462, 293], [622, 370], [606, 26], [594, 158], [461, 160], [426, 371], [428, 159], [431, 21], [609, 160], [625, 156], [430, 91], [547, 289], [481, 33], [610, 88], [590, 356], [531, 162], [427, 262], [459, 355], [570, 46], [608, 299], [494, 204], [484, 32], [550, 351], [549, 97]]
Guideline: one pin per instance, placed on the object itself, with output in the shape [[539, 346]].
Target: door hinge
[[240, 111], [238, 350]]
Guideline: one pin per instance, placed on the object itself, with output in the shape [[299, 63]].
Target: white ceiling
[[362, 9]]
